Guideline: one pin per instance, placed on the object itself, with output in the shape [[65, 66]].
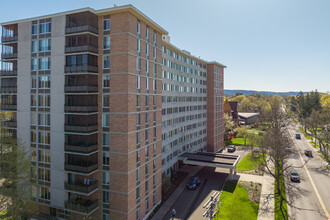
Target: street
[[309, 199]]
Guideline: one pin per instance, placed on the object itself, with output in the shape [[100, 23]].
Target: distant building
[[231, 108], [248, 118]]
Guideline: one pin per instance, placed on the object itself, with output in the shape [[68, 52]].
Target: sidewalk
[[191, 170]]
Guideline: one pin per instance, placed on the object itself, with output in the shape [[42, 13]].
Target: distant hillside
[[230, 92]]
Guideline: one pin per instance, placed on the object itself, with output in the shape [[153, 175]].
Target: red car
[[308, 153]]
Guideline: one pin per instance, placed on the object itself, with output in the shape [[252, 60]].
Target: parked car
[[298, 136], [193, 182], [231, 148], [308, 153], [294, 176]]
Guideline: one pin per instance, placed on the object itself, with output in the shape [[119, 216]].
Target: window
[[44, 82], [106, 42], [106, 81], [147, 83], [138, 46], [105, 177], [146, 135], [44, 119], [155, 133], [106, 24], [138, 28], [44, 156], [105, 119], [147, 152], [147, 101], [34, 47], [154, 180], [137, 210], [44, 63], [155, 54], [106, 101], [147, 67], [43, 137], [138, 156], [138, 174], [43, 100], [138, 119], [147, 185], [155, 38], [105, 216], [44, 45], [106, 62], [147, 205], [34, 29], [137, 193], [45, 28], [146, 169], [147, 34], [105, 139], [44, 174], [33, 136], [33, 100], [33, 82], [105, 158], [33, 155], [138, 101], [147, 50], [154, 86], [138, 82], [105, 197], [33, 118], [154, 198], [34, 64], [147, 117], [137, 137], [138, 65], [44, 193], [154, 149]]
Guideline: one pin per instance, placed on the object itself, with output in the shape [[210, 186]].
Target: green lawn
[[249, 163], [305, 134], [239, 141], [278, 213], [236, 203]]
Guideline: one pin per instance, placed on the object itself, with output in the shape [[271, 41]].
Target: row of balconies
[[6, 39], [81, 128], [9, 124], [82, 205], [8, 89], [9, 56], [8, 72], [80, 89]]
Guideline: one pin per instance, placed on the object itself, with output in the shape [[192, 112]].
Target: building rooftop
[[247, 115]]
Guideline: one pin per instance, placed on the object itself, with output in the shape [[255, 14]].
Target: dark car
[[193, 182], [308, 153], [298, 136], [231, 148], [294, 176]]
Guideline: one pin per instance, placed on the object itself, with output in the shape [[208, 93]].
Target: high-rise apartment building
[[105, 104]]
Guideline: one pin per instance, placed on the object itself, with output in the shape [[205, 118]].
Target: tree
[[15, 171], [229, 125], [242, 131]]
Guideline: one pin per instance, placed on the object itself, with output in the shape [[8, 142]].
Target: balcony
[[9, 56], [80, 88], [81, 69], [83, 28], [7, 39], [8, 89], [83, 108], [81, 167], [8, 72], [81, 128], [82, 187], [9, 124], [85, 48], [9, 107], [81, 205], [81, 148]]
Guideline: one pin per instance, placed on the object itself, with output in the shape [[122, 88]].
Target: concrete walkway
[[191, 170]]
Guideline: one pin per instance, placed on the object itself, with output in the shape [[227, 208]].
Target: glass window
[[44, 100], [44, 137], [138, 193], [155, 38], [33, 155], [138, 65], [106, 42], [106, 81], [43, 174], [106, 158], [147, 83], [106, 101], [44, 156], [138, 156], [147, 117], [33, 137], [138, 47], [44, 82], [137, 137], [34, 64], [138, 119], [147, 33], [34, 29], [138, 174], [147, 185], [138, 82], [105, 139], [105, 177], [45, 28], [33, 82], [34, 46], [44, 45], [138, 101], [44, 192], [106, 62], [147, 205], [106, 24], [44, 63], [106, 198], [105, 216], [147, 66], [44, 119], [105, 119], [138, 28], [33, 118]]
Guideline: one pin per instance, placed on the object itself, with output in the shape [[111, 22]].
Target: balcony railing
[[9, 107], [5, 39], [9, 56], [81, 205], [8, 72], [81, 187], [9, 124], [81, 148], [82, 167], [81, 128], [85, 48], [83, 108], [71, 30], [81, 89], [11, 89], [81, 69]]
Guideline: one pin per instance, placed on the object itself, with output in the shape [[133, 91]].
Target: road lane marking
[[312, 182]]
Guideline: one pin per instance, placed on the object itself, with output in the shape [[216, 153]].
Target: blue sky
[[272, 45]]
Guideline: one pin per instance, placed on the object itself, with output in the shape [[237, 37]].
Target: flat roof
[[247, 115], [211, 159], [117, 9]]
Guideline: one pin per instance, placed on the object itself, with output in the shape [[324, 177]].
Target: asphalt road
[[190, 204], [309, 199]]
